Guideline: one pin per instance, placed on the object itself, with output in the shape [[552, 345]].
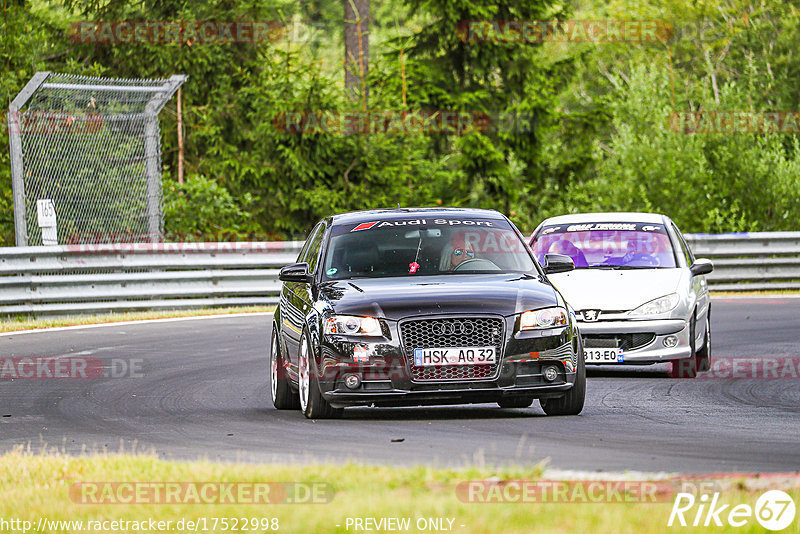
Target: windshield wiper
[[621, 267]]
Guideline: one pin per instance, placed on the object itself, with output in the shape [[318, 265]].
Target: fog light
[[352, 381], [550, 373], [670, 341]]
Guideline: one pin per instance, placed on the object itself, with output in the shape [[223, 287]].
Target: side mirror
[[701, 266], [297, 272], [557, 263]]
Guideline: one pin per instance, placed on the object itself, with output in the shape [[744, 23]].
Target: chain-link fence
[[86, 159]]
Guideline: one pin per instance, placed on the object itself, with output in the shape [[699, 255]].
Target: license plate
[[455, 356], [603, 355]]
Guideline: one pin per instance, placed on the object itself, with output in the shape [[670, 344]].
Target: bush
[[707, 182], [201, 209]]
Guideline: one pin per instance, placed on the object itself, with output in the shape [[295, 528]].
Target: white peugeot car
[[639, 293]]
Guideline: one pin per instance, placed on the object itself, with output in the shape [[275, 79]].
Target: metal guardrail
[[71, 279], [64, 280], [756, 261]]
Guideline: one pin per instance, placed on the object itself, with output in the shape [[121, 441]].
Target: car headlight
[[659, 305], [544, 318], [353, 326]]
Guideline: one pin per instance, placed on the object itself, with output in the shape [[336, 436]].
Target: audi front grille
[[452, 332]]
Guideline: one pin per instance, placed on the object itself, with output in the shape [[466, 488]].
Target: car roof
[[406, 213], [611, 216]]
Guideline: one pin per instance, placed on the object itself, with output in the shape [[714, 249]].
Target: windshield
[[424, 246], [607, 245]]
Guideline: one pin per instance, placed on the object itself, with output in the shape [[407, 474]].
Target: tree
[[356, 49], [506, 79]]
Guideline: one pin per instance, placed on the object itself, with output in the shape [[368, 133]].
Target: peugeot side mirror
[[557, 263], [297, 272], [701, 266]]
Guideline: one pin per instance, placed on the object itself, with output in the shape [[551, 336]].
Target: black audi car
[[423, 306]]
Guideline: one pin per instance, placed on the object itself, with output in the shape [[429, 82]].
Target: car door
[[297, 298]]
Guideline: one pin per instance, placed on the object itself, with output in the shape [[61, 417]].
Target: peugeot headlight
[[353, 326], [659, 305], [544, 318]]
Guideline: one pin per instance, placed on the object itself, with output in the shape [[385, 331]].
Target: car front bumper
[[653, 351], [385, 378]]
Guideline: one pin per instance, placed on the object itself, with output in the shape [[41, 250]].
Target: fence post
[[152, 149], [153, 171], [15, 149]]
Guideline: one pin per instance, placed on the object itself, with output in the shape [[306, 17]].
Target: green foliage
[[731, 56], [25, 40], [499, 166], [593, 134], [200, 209], [706, 181]]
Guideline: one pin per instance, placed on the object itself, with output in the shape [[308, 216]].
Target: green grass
[[14, 324], [38, 485]]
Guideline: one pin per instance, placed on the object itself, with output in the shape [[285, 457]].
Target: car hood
[[396, 298], [621, 290]]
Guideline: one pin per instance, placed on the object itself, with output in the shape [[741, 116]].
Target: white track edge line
[[128, 323]]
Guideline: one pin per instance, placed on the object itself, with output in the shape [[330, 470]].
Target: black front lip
[[450, 396]]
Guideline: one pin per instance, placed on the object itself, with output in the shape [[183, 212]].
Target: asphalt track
[[199, 389]]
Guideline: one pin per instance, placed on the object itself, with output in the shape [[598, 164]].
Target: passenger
[[565, 247]]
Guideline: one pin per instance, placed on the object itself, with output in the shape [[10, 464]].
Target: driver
[[459, 251], [631, 250]]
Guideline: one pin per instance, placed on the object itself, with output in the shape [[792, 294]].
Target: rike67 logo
[[774, 510]]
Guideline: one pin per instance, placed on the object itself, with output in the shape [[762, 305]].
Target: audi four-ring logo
[[447, 329]]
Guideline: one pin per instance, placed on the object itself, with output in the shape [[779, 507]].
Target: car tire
[[703, 356], [686, 367], [283, 398], [572, 402], [515, 402], [312, 403]]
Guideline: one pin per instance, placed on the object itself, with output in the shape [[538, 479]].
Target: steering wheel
[[646, 259], [476, 264]]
